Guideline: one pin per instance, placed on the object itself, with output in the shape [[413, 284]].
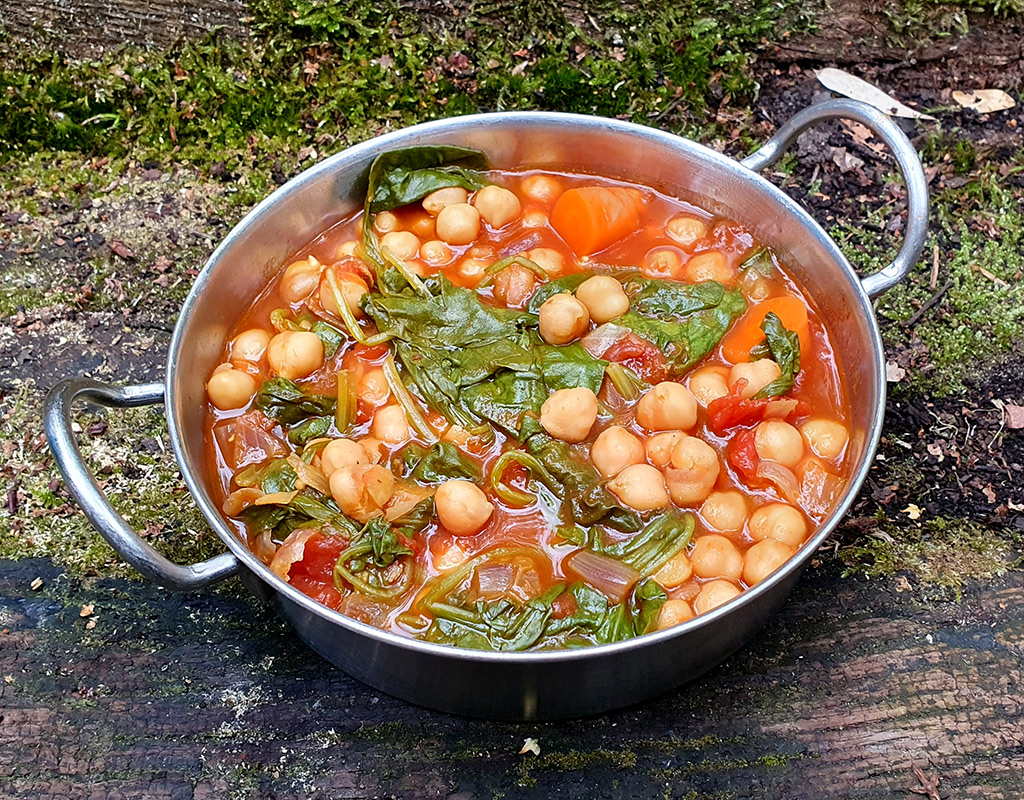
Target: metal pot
[[508, 685]]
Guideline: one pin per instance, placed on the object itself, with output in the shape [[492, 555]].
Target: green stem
[[411, 277], [401, 393], [351, 323], [343, 573], [516, 497], [520, 259]]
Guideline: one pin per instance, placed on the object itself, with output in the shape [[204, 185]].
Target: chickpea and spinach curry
[[526, 410]]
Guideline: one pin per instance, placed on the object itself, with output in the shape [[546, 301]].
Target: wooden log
[[844, 694]]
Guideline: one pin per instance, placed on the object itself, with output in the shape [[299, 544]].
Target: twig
[[935, 268], [910, 323]]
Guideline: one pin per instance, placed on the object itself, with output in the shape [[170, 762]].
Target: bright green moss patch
[[322, 74]]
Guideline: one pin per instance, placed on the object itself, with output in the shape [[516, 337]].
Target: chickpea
[[640, 487], [373, 387], [346, 249], [754, 286], [342, 453], [362, 490], [777, 440], [763, 559], [250, 345], [674, 612], [352, 287], [686, 229], [661, 262], [709, 384], [826, 437], [709, 266], [535, 219], [472, 270], [660, 446], [725, 511], [668, 406], [563, 318], [514, 286], [401, 244], [548, 259], [458, 224], [714, 594], [300, 278], [497, 205], [757, 374], [436, 253], [390, 425], [541, 188], [780, 522], [462, 507], [675, 572], [449, 558], [385, 222], [374, 449], [569, 414], [295, 354], [714, 556], [230, 389], [615, 449], [604, 298], [695, 469], [434, 202]]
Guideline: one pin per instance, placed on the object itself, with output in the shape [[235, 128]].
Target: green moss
[[332, 72], [573, 761], [942, 552]]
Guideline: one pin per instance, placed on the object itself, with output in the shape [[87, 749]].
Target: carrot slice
[[590, 218], [747, 334]]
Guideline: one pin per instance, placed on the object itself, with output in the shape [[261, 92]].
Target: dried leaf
[[989, 492], [912, 511], [929, 784], [121, 249], [848, 85], [87, 610], [845, 160], [90, 624], [984, 101], [530, 746], [1014, 416], [306, 152], [894, 373], [36, 585]]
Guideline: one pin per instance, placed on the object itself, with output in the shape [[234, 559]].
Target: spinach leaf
[[405, 175], [499, 625], [585, 501], [510, 400], [312, 428], [306, 509], [285, 401], [277, 476], [660, 298], [761, 261], [368, 563], [384, 542], [331, 337], [647, 551], [416, 519], [570, 283], [438, 463], [606, 623], [686, 341], [570, 366], [783, 345]]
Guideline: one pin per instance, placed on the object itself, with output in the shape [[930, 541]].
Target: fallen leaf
[[121, 249], [530, 746], [519, 68], [90, 624], [306, 152], [912, 511], [846, 160], [929, 784], [36, 585], [87, 610], [989, 492], [936, 450], [8, 679], [894, 373], [984, 101], [903, 585], [842, 82], [1014, 506], [1014, 416]]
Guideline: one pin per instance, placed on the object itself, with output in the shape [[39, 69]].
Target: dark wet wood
[[202, 696]]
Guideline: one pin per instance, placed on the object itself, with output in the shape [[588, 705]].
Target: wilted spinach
[[438, 463], [782, 346], [646, 552]]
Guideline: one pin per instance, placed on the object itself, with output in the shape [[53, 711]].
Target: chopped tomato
[[314, 574], [734, 409], [741, 452], [563, 606], [590, 218], [639, 355]]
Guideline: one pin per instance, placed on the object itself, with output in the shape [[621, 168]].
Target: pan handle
[[906, 159], [88, 495]]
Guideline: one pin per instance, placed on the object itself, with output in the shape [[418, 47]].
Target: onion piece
[[240, 499], [782, 477], [275, 499], [609, 576], [819, 488], [600, 340], [309, 475], [291, 550], [404, 499], [780, 409], [493, 580]]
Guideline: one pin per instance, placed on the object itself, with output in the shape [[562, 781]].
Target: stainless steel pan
[[508, 685]]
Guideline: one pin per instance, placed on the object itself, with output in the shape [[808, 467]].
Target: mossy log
[[850, 692]]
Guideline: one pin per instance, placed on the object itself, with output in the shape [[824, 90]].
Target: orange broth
[[437, 551]]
